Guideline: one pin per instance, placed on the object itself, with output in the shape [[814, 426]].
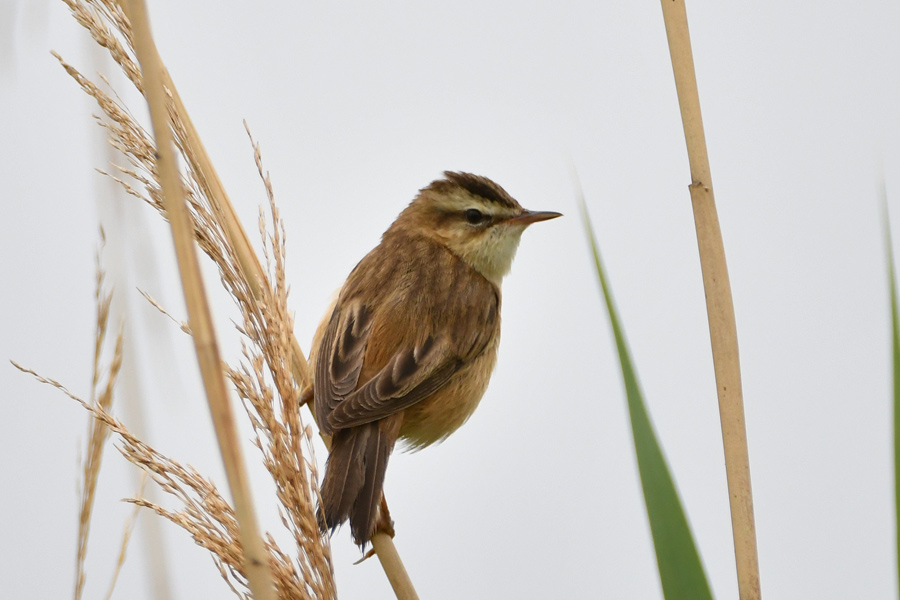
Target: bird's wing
[[411, 375], [340, 358]]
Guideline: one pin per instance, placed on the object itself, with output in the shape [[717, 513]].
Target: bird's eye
[[474, 216]]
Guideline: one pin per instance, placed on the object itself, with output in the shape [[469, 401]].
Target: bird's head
[[474, 218]]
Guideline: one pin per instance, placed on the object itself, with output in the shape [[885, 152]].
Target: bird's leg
[[383, 521]]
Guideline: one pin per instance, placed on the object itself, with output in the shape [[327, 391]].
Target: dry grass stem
[[101, 396], [126, 536], [255, 558], [719, 304]]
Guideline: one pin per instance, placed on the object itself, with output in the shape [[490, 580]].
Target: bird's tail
[[354, 477]]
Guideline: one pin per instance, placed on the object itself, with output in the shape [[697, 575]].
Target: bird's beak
[[533, 216]]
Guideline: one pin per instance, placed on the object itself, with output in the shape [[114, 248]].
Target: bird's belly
[[442, 413]]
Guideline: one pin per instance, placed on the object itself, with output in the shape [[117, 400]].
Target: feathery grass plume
[[206, 515], [263, 380], [279, 431]]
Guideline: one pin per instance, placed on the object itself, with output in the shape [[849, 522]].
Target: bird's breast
[[442, 413]]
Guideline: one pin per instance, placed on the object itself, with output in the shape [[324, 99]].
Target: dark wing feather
[[340, 360], [411, 375], [378, 449], [345, 474]]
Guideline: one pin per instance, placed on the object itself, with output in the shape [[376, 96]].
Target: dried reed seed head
[[282, 436]]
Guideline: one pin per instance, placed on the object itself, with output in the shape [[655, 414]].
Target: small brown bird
[[409, 346]]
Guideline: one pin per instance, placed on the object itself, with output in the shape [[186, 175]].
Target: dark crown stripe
[[478, 186]]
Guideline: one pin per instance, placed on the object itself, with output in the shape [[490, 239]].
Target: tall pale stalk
[[255, 558], [719, 305]]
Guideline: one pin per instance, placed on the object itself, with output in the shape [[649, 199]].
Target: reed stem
[[719, 304], [255, 557]]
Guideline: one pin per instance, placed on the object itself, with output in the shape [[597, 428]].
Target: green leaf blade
[[680, 570], [895, 360]]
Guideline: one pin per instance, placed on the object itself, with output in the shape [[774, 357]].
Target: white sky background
[[356, 108]]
